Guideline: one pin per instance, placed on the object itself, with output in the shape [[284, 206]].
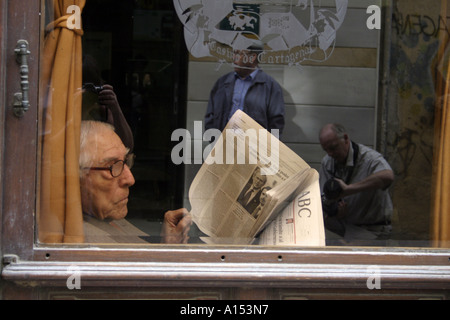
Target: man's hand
[[176, 226], [108, 98], [379, 180], [342, 208]]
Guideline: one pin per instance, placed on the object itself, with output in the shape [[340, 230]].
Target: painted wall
[[378, 83], [417, 27]]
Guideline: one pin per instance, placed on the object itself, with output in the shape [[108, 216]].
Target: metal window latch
[[9, 259], [21, 100]]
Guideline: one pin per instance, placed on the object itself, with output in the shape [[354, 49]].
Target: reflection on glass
[[386, 86], [292, 31]]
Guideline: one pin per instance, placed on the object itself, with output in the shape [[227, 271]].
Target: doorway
[[139, 49]]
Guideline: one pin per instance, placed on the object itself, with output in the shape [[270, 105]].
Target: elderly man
[[105, 179], [362, 176]]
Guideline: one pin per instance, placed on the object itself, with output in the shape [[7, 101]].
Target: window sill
[[342, 268]]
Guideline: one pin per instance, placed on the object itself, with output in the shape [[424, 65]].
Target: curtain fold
[[440, 219], [441, 205], [60, 217]]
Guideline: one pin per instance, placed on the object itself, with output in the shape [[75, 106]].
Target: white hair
[[88, 133]]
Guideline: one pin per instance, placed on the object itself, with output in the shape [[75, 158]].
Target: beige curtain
[[440, 220], [60, 216]]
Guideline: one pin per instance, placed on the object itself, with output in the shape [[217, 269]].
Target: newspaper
[[300, 222], [249, 181]]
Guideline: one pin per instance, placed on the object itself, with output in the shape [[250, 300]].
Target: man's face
[[263, 197], [335, 147], [245, 62], [258, 180], [102, 195]]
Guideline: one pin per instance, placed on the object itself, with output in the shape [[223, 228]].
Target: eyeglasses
[[116, 168]]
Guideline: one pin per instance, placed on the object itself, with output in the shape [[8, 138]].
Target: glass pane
[[169, 75]]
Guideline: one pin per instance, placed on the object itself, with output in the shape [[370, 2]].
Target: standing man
[[105, 180], [362, 204], [249, 89]]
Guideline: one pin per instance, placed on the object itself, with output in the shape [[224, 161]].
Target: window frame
[[25, 261]]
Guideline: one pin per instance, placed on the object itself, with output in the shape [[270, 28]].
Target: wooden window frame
[[25, 261]]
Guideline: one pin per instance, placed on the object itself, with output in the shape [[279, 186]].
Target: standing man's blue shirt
[[241, 87], [263, 102]]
